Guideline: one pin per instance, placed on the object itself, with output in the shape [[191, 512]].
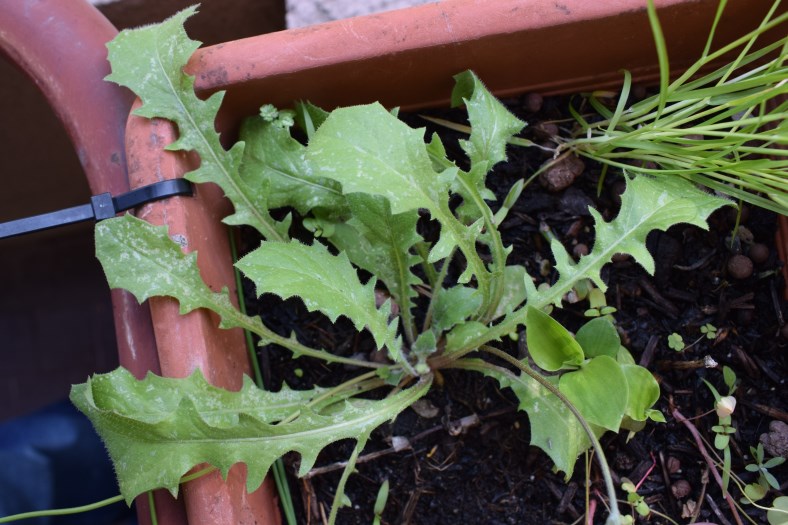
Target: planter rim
[[407, 57]]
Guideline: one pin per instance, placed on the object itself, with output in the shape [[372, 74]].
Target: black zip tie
[[103, 206]]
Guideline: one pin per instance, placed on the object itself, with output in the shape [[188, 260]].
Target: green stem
[[370, 377], [496, 245], [62, 512], [615, 515], [280, 477], [194, 475], [258, 376], [422, 249], [437, 289], [154, 519], [351, 464], [282, 487], [255, 325], [468, 248]]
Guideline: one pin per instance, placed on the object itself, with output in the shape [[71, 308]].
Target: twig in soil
[[717, 510], [750, 365], [768, 370], [776, 303], [706, 362], [565, 499], [399, 443], [774, 413], [565, 505], [674, 507], [710, 462], [648, 353], [662, 303], [704, 483], [697, 264]]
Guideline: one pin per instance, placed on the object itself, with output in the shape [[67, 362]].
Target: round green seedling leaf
[[551, 345], [598, 337], [755, 492], [778, 514], [643, 391], [599, 390]]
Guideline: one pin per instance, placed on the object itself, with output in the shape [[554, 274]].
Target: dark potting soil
[[463, 455]]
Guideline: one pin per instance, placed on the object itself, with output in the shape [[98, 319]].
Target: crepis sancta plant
[[361, 181]]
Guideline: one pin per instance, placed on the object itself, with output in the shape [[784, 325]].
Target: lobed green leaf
[[382, 243], [324, 282], [157, 429], [150, 62]]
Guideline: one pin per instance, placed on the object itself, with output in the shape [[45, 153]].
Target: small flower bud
[[725, 406]]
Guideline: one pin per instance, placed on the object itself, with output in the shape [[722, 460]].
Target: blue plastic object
[[54, 459]]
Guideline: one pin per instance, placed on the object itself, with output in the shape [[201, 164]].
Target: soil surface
[[464, 456]]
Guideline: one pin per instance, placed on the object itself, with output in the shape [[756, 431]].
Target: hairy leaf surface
[[491, 126], [150, 62], [382, 243], [368, 150], [157, 429], [455, 305], [324, 282], [646, 205], [142, 259], [273, 157], [554, 428]]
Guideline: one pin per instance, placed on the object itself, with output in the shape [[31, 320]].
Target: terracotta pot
[[68, 62], [402, 58]]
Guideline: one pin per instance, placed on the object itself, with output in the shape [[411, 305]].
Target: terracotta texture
[[188, 342], [61, 46], [407, 58]]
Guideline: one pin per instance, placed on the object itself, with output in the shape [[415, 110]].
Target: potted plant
[[197, 228]]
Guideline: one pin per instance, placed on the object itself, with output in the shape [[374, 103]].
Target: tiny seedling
[[709, 330], [723, 430], [597, 305], [676, 342], [636, 500], [766, 480], [380, 502]]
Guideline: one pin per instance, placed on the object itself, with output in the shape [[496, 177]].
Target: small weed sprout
[[766, 480], [676, 342]]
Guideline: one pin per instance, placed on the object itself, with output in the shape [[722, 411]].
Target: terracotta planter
[[402, 58]]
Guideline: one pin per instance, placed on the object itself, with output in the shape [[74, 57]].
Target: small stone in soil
[[562, 174], [574, 201], [776, 441], [545, 130], [759, 253], [681, 488], [673, 465], [740, 266]]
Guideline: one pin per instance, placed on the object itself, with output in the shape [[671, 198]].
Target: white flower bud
[[725, 406]]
